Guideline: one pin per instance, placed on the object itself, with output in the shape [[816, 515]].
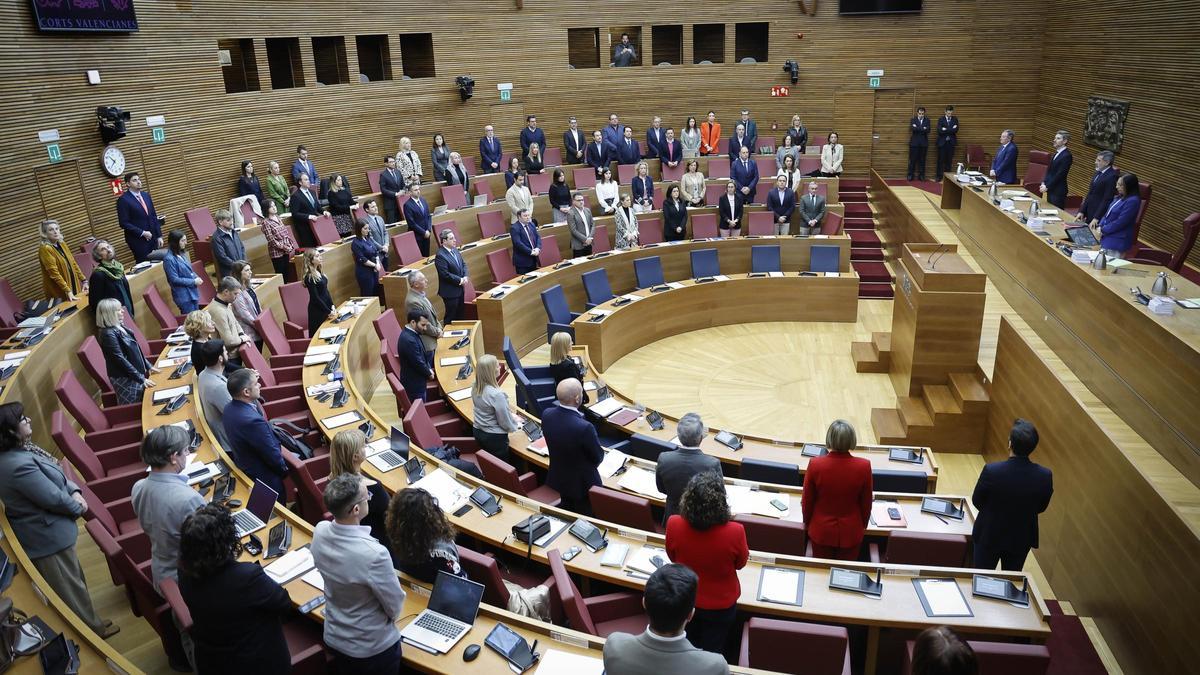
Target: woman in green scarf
[[108, 279]]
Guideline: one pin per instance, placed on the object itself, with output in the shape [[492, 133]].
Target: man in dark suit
[[613, 133], [391, 183], [1009, 496], [574, 143], [418, 218], [305, 207], [655, 137], [671, 151], [1101, 191], [490, 151], [1004, 165], [597, 154], [456, 173], [744, 174], [574, 448], [452, 276], [414, 366], [629, 152], [302, 166], [947, 141], [532, 134], [676, 468], [136, 215], [526, 242], [623, 53], [739, 140], [1054, 185], [751, 129], [918, 144], [812, 210], [254, 446], [781, 202]]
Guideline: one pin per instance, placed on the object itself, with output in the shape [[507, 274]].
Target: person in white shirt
[[607, 192], [831, 157]]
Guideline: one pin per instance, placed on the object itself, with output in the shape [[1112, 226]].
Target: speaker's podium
[[937, 318]]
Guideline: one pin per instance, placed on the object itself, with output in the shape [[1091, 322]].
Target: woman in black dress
[[562, 366], [341, 202], [366, 260], [510, 174], [560, 196], [320, 304], [675, 215], [248, 183]]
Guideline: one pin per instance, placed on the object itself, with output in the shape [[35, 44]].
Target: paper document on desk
[[318, 389], [16, 355], [33, 322], [459, 332], [599, 312], [330, 333], [539, 446], [1118, 262], [291, 565], [503, 288], [755, 502], [448, 492], [178, 339], [606, 407], [322, 349], [460, 394], [639, 480], [164, 395], [453, 361], [378, 446], [556, 527], [721, 277], [775, 274], [780, 584], [833, 274], [944, 597], [342, 419], [613, 460], [318, 359], [177, 352], [313, 578], [674, 284], [554, 662], [641, 560], [632, 297]]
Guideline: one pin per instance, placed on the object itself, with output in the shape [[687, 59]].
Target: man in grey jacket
[[676, 468], [663, 648], [582, 227], [162, 500], [419, 301], [812, 211]]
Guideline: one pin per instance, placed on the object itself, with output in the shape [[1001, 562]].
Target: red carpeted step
[[872, 272], [863, 239], [862, 210], [875, 290], [851, 184], [852, 197], [865, 254], [858, 223], [1071, 650]]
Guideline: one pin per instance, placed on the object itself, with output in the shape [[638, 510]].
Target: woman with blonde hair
[[494, 418], [128, 368], [277, 187], [562, 366], [198, 325], [837, 497], [408, 162], [347, 452], [534, 162], [643, 189], [246, 306], [108, 279], [61, 278], [320, 303]]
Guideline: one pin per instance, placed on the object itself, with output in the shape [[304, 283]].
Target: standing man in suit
[[1100, 192], [1054, 185], [527, 243], [1004, 164], [415, 370], [655, 137], [452, 275], [574, 448], [390, 184], [574, 144], [663, 648], [623, 53], [418, 218], [676, 468], [1010, 495], [136, 215], [598, 156], [812, 211], [304, 167], [490, 151], [744, 173], [751, 130], [518, 197], [781, 202], [614, 133], [305, 207], [740, 140], [532, 134], [456, 173], [629, 152], [670, 151], [918, 144], [582, 227], [417, 300], [947, 141], [252, 441]]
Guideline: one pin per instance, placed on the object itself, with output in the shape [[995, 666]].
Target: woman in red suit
[[702, 537], [837, 496]]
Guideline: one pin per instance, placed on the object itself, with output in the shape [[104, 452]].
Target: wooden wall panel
[[1151, 62]]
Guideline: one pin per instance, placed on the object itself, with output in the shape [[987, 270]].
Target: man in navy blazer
[[490, 151], [613, 133], [947, 140], [655, 137], [391, 183], [526, 242], [1009, 496], [1054, 185], [597, 152], [739, 140], [136, 215], [629, 152], [574, 143], [751, 129], [418, 218], [574, 448], [1004, 164], [452, 275], [252, 441], [671, 150], [302, 166], [305, 207], [1100, 192], [414, 366], [743, 171], [532, 134], [781, 202], [918, 144]]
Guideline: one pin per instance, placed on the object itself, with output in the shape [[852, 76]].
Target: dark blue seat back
[[765, 259], [647, 447], [894, 480], [648, 271], [705, 263], [764, 471], [510, 356], [595, 284], [825, 259], [555, 302]]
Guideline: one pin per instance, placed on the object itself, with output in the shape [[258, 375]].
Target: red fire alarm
[[116, 187], [780, 91]]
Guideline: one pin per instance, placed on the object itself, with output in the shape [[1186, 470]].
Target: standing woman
[[108, 279], [409, 162], [277, 187], [422, 538], [837, 496], [534, 163], [246, 307], [689, 138], [494, 417], [248, 183], [729, 207], [702, 537], [627, 226], [61, 278], [341, 203], [693, 184], [560, 196], [280, 244], [675, 215], [320, 304], [831, 157], [785, 151], [347, 452], [799, 134], [1118, 226], [607, 192], [513, 170], [562, 366], [440, 154], [366, 260], [643, 189], [185, 285], [43, 506], [128, 369], [710, 135], [789, 171]]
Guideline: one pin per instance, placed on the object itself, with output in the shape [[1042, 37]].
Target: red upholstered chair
[[584, 178], [977, 159], [469, 163], [817, 141], [704, 226], [712, 193], [504, 476], [92, 357], [673, 174], [405, 244], [454, 197], [808, 164], [470, 312], [998, 658], [623, 509], [116, 516], [626, 173], [772, 644], [294, 297], [1035, 173], [774, 535], [309, 498], [446, 421], [167, 320], [491, 223], [482, 187], [551, 253], [485, 570], [1144, 195], [766, 168], [832, 224], [387, 328], [600, 240], [501, 264], [284, 352], [760, 192], [373, 179], [905, 547], [420, 428], [601, 615], [657, 200], [200, 221], [95, 463], [151, 348], [106, 428], [10, 305], [324, 230], [1174, 262], [539, 183], [276, 381], [551, 157], [207, 290], [650, 231], [86, 264], [761, 223], [453, 227], [718, 167], [391, 362]]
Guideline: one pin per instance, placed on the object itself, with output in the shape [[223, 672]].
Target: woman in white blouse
[[692, 184], [627, 227], [689, 138], [831, 156], [789, 171], [408, 162], [606, 192]]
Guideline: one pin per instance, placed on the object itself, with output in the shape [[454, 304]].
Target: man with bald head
[[574, 448], [417, 300]]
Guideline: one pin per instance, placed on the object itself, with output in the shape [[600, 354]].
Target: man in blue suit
[[305, 207], [1010, 495], [655, 137], [629, 152], [574, 143], [452, 275], [744, 174], [671, 150], [303, 166], [391, 183], [136, 215], [414, 366], [532, 134], [1054, 185], [597, 154], [947, 141], [781, 202], [740, 140], [751, 129], [527, 243], [1100, 192], [418, 218], [252, 442], [918, 144], [490, 151], [614, 133], [574, 448], [1004, 164]]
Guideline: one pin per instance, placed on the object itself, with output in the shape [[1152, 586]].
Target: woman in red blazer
[[710, 135], [837, 496], [701, 537]]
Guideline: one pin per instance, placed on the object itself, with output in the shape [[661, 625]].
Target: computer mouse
[[233, 503], [471, 653]]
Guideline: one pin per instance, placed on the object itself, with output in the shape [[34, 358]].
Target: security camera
[[793, 69], [466, 86]]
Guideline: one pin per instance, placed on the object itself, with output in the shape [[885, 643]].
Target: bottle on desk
[[994, 191], [1033, 208], [960, 168]]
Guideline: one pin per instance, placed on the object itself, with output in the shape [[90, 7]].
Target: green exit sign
[[54, 152], [873, 82], [158, 135], [505, 94]]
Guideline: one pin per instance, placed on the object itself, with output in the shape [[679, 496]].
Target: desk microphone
[[935, 257]]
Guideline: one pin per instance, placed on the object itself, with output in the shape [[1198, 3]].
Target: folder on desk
[[781, 585], [941, 597], [606, 407], [879, 514], [640, 481], [539, 447], [624, 416]]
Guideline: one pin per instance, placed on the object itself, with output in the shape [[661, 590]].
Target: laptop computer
[[258, 510], [453, 606], [396, 454]]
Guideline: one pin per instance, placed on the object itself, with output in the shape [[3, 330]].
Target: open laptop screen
[[399, 442], [456, 597], [262, 500]]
